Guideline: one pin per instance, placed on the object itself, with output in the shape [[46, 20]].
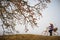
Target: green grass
[[28, 37]]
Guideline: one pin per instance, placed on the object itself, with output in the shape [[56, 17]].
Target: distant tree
[[22, 11]]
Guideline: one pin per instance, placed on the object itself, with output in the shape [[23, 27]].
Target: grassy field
[[28, 37]]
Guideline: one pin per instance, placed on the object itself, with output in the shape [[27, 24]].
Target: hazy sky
[[50, 14]]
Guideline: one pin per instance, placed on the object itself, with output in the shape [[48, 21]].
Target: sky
[[50, 15]]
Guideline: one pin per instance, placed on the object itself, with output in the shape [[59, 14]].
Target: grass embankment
[[28, 37]]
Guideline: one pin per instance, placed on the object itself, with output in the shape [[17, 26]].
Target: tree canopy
[[21, 11]]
